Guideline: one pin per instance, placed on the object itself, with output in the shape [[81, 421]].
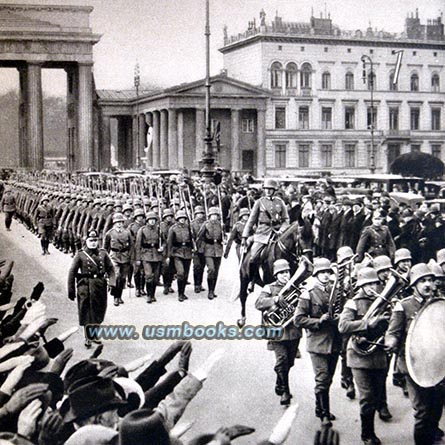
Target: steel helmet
[[367, 275], [243, 212], [139, 212], [381, 263], [213, 211], [167, 212], [280, 266], [322, 265], [270, 184], [127, 207], [436, 269], [180, 214], [199, 209], [440, 256], [419, 271], [344, 253], [118, 217], [151, 215], [117, 203], [44, 198], [402, 255]]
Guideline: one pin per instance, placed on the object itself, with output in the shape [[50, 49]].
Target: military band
[[350, 308]]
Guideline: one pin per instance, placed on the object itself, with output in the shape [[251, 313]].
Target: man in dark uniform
[[323, 339], [427, 403], [168, 267], [134, 227], [87, 281], [369, 370], [149, 253], [236, 233], [286, 347], [376, 239], [198, 254], [119, 243], [270, 215], [44, 221], [410, 230], [8, 206], [179, 250], [211, 234]]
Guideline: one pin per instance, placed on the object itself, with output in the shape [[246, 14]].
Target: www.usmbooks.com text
[[184, 331]]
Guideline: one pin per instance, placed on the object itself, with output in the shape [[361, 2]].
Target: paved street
[[240, 387]]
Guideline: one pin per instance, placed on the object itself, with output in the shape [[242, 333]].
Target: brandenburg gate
[[33, 37]]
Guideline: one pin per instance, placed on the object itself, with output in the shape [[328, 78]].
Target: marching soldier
[[198, 254], [369, 370], [286, 347], [270, 215], [323, 339], [427, 403], [134, 227], [179, 249], [87, 281], [8, 206], [44, 222], [212, 234], [168, 267], [236, 233], [149, 253], [118, 243]]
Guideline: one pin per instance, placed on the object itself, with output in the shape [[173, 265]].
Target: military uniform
[[179, 249], [198, 254], [235, 236], [8, 206], [44, 221], [286, 347], [134, 228], [148, 243], [375, 241], [168, 267]]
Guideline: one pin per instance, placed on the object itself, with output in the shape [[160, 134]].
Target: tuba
[[281, 314], [366, 345]]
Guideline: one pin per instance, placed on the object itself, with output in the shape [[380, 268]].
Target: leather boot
[[181, 287], [210, 284], [368, 434], [152, 292], [384, 413], [325, 415], [148, 287]]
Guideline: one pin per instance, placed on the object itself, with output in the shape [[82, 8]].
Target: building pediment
[[220, 86]]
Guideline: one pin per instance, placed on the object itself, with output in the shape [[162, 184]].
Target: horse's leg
[[244, 281]]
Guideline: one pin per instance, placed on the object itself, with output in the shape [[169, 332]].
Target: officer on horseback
[[270, 216]]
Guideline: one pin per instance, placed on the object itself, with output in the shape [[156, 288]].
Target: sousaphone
[[425, 344]]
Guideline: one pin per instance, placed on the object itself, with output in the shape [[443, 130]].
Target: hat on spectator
[[143, 427], [93, 435]]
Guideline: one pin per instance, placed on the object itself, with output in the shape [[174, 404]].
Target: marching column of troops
[[372, 242]]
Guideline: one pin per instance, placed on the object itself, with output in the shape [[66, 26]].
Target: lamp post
[[137, 82], [366, 59], [208, 158]]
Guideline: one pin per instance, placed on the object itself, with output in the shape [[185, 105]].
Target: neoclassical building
[[296, 97]]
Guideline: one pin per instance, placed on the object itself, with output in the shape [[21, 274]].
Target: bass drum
[[425, 344]]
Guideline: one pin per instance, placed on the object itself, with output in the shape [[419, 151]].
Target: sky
[[166, 37]]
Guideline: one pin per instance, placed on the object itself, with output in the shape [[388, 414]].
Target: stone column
[[261, 143], [172, 139], [142, 140], [164, 140], [235, 149], [181, 139], [199, 134], [23, 155], [105, 145], [156, 139], [121, 148], [34, 116], [85, 118]]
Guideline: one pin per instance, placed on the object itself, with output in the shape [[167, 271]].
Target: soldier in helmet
[[198, 254], [179, 250], [8, 206], [87, 282], [236, 233], [119, 243], [134, 227], [427, 403], [44, 216], [211, 234], [269, 214], [324, 341], [286, 347], [168, 267], [149, 253], [369, 370]]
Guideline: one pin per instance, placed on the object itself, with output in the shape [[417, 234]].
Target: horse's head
[[296, 240]]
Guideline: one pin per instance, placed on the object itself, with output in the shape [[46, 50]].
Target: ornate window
[[435, 119], [326, 118], [306, 76], [275, 75], [349, 118], [291, 75], [303, 155], [414, 84], [350, 155], [303, 118], [280, 117], [280, 155], [392, 86], [326, 155], [415, 118], [349, 81]]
